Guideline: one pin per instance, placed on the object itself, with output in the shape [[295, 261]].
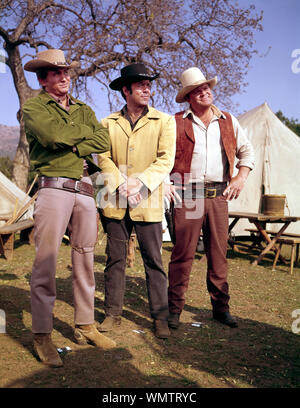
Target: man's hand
[[130, 190], [236, 184], [134, 200], [130, 187], [134, 186], [171, 194]]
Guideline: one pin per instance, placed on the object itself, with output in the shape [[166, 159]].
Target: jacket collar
[[151, 114], [126, 115], [49, 99], [125, 125]]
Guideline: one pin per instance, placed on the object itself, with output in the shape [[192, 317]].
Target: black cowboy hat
[[131, 73]]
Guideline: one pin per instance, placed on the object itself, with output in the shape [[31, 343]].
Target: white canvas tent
[[12, 199], [277, 167]]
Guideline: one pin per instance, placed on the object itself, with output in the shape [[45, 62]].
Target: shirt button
[[131, 148]]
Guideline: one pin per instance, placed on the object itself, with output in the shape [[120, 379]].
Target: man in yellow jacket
[[141, 156]]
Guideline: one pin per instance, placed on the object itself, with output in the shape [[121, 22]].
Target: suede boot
[[109, 323], [46, 350], [88, 334]]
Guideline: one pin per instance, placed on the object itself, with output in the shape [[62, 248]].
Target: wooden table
[[260, 221]]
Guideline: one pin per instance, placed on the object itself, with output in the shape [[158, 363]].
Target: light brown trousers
[[55, 211]]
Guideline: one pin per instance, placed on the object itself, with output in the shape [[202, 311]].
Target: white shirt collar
[[217, 113]]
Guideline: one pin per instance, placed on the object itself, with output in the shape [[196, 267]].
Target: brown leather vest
[[185, 142]]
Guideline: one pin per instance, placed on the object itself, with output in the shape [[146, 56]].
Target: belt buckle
[[76, 188], [213, 190]]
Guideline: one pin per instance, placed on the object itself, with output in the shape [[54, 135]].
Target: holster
[[169, 214]]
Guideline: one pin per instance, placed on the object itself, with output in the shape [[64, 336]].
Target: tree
[[168, 36], [292, 123]]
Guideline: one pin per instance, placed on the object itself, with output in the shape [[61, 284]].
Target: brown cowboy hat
[[190, 79], [49, 59], [131, 73]]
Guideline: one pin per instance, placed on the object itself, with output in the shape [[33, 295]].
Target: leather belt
[[67, 184], [204, 190]]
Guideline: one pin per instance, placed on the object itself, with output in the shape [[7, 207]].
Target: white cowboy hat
[[190, 79], [49, 59]]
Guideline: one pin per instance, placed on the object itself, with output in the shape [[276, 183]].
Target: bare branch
[[168, 36], [4, 34], [28, 18]]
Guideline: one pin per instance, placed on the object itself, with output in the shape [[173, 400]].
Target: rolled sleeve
[[244, 149]]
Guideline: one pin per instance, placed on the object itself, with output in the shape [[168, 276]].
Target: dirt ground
[[263, 352]]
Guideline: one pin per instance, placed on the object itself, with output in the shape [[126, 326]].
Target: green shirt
[[52, 132]]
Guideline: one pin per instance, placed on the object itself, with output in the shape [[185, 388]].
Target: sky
[[273, 76]]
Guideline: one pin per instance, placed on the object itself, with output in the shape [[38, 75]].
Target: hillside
[[9, 137]]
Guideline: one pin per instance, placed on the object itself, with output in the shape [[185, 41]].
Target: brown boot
[[173, 320], [46, 350], [88, 333], [109, 323], [161, 329]]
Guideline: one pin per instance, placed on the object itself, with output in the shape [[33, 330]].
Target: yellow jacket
[[146, 152]]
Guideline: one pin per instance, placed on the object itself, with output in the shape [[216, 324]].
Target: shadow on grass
[[101, 259], [7, 276], [242, 253], [255, 354], [91, 368]]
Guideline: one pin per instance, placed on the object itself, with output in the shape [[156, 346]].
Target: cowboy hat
[[190, 79], [131, 73], [49, 59]]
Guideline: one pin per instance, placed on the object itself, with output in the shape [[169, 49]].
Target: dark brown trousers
[[210, 215], [149, 236]]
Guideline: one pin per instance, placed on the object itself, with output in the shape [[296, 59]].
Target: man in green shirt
[[62, 133]]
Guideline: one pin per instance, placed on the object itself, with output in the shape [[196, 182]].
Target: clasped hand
[[130, 190]]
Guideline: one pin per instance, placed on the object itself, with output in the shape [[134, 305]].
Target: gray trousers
[[55, 211], [149, 236]]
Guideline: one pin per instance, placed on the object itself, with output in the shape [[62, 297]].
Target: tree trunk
[[21, 161]]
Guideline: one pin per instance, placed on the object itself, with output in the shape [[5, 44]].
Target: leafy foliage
[[292, 123], [6, 165]]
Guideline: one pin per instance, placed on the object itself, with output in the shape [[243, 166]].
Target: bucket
[[273, 204]]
